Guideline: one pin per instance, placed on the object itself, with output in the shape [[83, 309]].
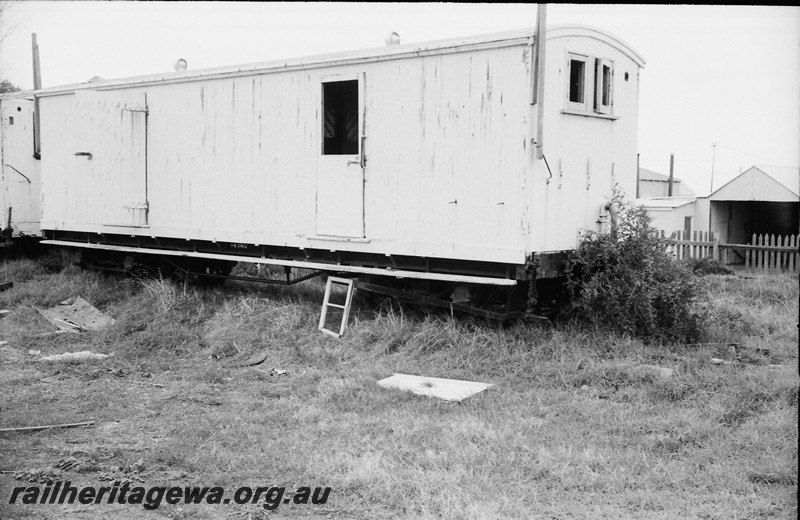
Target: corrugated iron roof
[[650, 175]]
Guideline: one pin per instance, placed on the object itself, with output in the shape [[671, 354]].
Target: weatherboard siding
[[450, 172], [21, 172], [234, 159]]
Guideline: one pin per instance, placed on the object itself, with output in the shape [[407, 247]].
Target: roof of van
[[410, 50]]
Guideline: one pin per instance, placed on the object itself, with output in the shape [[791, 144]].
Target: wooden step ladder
[[345, 309]]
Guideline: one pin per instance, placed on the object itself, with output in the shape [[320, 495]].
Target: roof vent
[[392, 38], [180, 65]]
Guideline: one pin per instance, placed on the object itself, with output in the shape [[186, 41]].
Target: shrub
[[624, 279]]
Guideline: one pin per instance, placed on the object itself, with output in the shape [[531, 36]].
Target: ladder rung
[[334, 305]]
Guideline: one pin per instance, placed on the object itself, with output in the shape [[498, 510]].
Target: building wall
[[673, 219]]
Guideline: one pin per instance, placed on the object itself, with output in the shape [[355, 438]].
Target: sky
[[714, 74]]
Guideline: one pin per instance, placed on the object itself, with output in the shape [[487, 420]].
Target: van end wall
[[588, 156], [21, 172]]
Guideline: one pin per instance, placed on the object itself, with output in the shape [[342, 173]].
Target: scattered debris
[[76, 465], [662, 372], [447, 389], [718, 361], [3, 343], [4, 313], [76, 315], [6, 285], [84, 355], [40, 476], [276, 372], [35, 352], [59, 331], [48, 427], [253, 360], [129, 473]]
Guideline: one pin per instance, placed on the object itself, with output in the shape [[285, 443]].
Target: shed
[[761, 200], [670, 213], [654, 184]]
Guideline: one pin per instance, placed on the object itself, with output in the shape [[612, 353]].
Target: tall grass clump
[[623, 279]]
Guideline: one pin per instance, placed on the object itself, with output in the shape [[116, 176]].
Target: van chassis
[[530, 291]]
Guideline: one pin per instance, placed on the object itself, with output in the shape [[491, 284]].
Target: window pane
[[606, 85], [577, 70], [340, 118]]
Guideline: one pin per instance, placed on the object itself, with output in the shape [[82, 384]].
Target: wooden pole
[[37, 84], [637, 175], [715, 251], [671, 174], [540, 40]]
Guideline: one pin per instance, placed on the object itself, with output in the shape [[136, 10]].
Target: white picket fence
[[699, 244], [763, 253], [768, 252]]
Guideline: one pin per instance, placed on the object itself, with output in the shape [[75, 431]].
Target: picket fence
[[763, 253]]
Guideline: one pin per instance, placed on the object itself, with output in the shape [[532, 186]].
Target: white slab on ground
[[447, 389]]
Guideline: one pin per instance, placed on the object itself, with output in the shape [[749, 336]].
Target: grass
[[573, 428]]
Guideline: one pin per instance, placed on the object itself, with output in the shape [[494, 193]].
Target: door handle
[[85, 154], [353, 162]]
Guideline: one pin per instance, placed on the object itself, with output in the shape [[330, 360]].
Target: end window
[[577, 82], [590, 85], [602, 93]]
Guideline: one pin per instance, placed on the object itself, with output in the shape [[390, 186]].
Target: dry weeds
[[571, 429]]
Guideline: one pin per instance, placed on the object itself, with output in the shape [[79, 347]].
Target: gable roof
[[764, 183], [650, 175], [786, 175]]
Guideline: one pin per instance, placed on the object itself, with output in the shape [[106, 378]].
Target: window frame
[[603, 85], [343, 78], [581, 106], [595, 84]]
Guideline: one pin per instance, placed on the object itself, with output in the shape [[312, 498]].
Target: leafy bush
[[624, 279]]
